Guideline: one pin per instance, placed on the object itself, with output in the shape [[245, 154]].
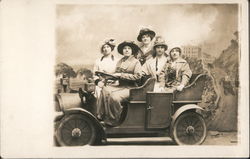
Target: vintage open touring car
[[176, 114]]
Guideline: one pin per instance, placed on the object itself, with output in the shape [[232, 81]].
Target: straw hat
[[159, 41]]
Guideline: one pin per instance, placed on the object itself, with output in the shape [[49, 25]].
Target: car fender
[[182, 110], [95, 121]]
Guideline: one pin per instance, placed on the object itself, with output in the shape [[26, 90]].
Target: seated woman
[[154, 65], [128, 71], [176, 73], [106, 63]]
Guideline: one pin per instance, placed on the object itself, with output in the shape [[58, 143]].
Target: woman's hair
[[154, 51], [175, 48], [134, 51], [150, 35], [112, 47], [109, 42]]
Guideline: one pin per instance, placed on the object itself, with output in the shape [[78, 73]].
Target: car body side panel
[[135, 117], [158, 111]]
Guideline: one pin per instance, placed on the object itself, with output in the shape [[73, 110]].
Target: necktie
[[156, 69], [156, 64]]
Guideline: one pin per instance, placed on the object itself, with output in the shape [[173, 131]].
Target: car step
[[140, 139]]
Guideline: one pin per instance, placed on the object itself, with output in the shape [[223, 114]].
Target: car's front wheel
[[75, 130]]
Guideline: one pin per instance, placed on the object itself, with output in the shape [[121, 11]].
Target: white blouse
[[106, 64], [155, 65]]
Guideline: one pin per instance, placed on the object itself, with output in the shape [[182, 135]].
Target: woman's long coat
[[175, 73], [109, 103]]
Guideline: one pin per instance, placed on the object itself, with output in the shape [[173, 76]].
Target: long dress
[[111, 98]]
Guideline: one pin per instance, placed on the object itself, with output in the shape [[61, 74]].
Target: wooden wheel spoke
[[182, 127], [66, 128], [69, 140], [181, 130], [195, 138], [76, 125], [186, 123], [189, 121], [187, 139], [198, 136], [195, 122], [83, 126], [66, 135], [71, 124], [86, 131], [199, 128], [181, 134], [77, 141]]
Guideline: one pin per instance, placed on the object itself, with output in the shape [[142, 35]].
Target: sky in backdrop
[[80, 29]]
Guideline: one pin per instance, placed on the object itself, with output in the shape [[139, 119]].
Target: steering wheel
[[106, 76]]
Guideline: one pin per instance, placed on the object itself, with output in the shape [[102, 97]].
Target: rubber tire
[[65, 121], [181, 118]]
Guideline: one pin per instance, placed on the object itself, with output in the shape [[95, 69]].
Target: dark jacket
[[130, 69]]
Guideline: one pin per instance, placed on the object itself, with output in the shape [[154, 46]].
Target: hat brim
[[133, 46], [164, 45], [149, 32]]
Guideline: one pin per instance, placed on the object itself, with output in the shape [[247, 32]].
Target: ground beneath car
[[213, 138]]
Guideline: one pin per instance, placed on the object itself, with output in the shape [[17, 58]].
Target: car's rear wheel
[[189, 129], [75, 130]]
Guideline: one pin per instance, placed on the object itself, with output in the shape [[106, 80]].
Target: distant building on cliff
[[191, 51]]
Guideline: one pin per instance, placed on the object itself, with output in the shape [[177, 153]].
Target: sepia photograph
[[169, 71], [125, 79]]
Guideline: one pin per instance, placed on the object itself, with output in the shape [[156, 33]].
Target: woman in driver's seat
[[106, 63], [128, 71]]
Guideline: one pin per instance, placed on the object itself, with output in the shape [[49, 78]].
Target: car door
[[158, 110]]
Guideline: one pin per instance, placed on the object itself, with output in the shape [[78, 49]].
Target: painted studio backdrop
[[207, 33]]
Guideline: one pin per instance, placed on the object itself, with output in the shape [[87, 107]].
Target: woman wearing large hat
[[128, 71], [106, 63], [146, 37], [154, 65]]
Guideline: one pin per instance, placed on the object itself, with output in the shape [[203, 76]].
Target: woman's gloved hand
[[99, 83], [117, 74], [180, 87]]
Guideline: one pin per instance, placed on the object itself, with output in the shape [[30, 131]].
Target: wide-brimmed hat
[[110, 42], [144, 31], [159, 41], [175, 48], [131, 44]]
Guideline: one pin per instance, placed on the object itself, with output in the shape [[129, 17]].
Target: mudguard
[[68, 101], [183, 109], [95, 121]]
